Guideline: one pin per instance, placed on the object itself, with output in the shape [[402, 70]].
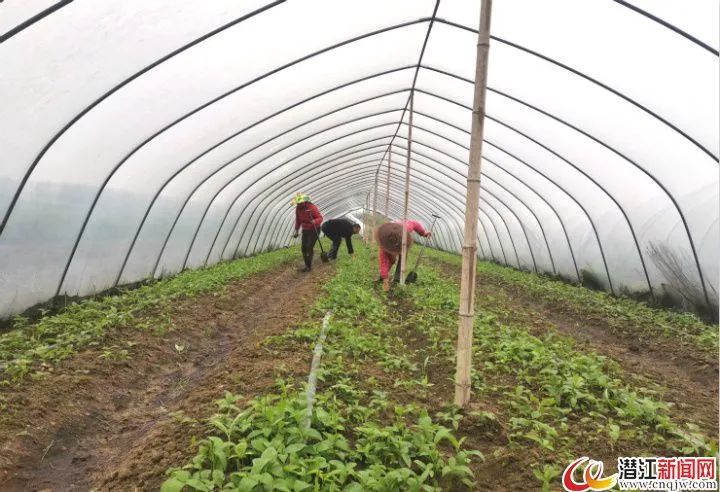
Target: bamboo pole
[[364, 229], [404, 250], [374, 212], [387, 186], [366, 218], [472, 204]]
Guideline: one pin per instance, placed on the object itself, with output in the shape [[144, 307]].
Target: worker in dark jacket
[[336, 230], [309, 219]]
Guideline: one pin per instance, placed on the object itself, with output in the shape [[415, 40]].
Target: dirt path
[[690, 376], [118, 425]]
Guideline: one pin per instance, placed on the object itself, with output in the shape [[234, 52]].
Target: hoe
[[412, 276]]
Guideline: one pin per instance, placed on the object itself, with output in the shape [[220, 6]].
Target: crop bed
[[383, 420], [201, 384]]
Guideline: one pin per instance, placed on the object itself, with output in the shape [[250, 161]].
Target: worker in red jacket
[[389, 237], [308, 219]]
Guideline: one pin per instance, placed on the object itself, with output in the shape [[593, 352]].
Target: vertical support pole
[[472, 204], [387, 186], [403, 259], [366, 219], [364, 229], [374, 212]]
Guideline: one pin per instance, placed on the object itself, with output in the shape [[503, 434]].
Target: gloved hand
[[428, 234], [296, 234]]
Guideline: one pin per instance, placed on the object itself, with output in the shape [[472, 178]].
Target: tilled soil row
[[100, 424]]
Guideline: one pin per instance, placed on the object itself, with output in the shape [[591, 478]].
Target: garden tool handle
[[422, 250], [317, 233]]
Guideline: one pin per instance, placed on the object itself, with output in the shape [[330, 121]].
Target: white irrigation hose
[[314, 366]]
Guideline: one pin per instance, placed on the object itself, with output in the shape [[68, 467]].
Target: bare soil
[[100, 424]]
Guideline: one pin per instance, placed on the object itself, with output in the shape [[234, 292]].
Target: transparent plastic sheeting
[[140, 138]]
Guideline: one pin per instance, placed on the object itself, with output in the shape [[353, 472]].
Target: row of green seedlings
[[554, 397], [359, 438], [617, 312], [32, 347]]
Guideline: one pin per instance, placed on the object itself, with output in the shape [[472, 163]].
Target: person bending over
[[389, 237], [307, 219], [336, 230]]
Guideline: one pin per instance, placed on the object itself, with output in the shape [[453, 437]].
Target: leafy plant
[[547, 474], [55, 337], [359, 438]]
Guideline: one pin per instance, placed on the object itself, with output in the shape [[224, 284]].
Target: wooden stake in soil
[[387, 186], [374, 215], [472, 204], [367, 222], [365, 225], [403, 259]]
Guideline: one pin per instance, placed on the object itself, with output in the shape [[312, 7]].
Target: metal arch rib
[[281, 187], [595, 81], [112, 91], [32, 20]]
